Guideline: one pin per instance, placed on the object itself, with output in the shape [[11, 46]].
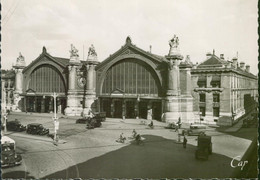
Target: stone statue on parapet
[[174, 42], [187, 60], [20, 60], [174, 49], [73, 51], [92, 51], [92, 54]]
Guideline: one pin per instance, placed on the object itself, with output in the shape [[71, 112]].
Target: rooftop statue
[[20, 58], [174, 42], [92, 54], [92, 51], [174, 49], [73, 51]]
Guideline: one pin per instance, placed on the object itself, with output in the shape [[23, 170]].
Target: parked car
[[82, 120], [15, 126], [100, 115], [36, 128], [204, 147], [94, 122], [195, 129], [8, 154]]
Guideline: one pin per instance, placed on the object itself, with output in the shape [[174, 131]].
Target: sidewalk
[[238, 125]]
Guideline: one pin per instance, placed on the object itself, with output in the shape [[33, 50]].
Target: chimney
[[208, 55], [234, 62], [242, 65], [222, 56], [248, 68]]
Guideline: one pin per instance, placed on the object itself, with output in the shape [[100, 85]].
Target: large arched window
[[45, 79], [132, 78]]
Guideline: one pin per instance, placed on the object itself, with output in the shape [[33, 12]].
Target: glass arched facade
[[132, 78], [46, 79]]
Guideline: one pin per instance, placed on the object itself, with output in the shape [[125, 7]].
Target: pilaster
[[172, 104], [18, 89]]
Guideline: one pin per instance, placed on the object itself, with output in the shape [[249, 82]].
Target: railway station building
[[134, 83]]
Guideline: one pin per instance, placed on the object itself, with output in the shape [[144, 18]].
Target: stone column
[[172, 109], [18, 80], [25, 104], [123, 109], [18, 89], [59, 105], [112, 108], [3, 104], [137, 109], [90, 65], [51, 105], [34, 103], [9, 93], [186, 102], [72, 77], [74, 108], [90, 89], [43, 104]]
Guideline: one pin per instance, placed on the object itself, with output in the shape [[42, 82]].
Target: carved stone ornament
[[81, 82], [73, 51], [92, 54], [174, 42], [128, 40], [171, 64], [20, 60], [174, 51]]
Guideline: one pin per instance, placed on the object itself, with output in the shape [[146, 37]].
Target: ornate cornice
[[208, 90]]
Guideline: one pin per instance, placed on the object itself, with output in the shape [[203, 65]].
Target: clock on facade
[[81, 82]]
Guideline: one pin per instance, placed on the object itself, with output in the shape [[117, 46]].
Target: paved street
[[94, 153]]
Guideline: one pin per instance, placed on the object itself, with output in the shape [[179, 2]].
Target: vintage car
[[82, 120], [15, 126], [93, 123], [204, 147], [100, 115], [195, 129], [8, 154], [36, 128]]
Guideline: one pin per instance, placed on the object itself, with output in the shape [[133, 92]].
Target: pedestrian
[[176, 127], [179, 123], [184, 142]]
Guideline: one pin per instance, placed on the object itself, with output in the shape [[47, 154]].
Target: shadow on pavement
[[157, 158], [17, 175]]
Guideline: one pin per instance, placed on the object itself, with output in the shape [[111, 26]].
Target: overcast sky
[[228, 26]]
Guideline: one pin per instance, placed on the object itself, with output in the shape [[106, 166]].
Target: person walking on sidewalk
[[184, 142]]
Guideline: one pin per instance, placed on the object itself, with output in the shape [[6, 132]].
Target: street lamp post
[[5, 123], [55, 120]]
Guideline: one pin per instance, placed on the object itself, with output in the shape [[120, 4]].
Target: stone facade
[[7, 90], [227, 89], [133, 83]]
